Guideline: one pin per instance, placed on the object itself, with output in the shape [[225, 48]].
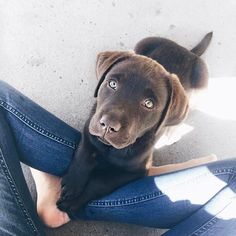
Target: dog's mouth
[[115, 145], [117, 141], [103, 140]]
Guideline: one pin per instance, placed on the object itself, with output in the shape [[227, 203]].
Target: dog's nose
[[110, 125]]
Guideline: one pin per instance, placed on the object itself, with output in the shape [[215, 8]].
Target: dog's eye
[[148, 103], [113, 84]]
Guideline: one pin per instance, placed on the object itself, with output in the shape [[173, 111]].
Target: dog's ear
[[177, 105], [105, 61]]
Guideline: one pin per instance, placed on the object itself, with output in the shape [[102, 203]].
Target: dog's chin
[[103, 141], [120, 146], [113, 144], [110, 142]]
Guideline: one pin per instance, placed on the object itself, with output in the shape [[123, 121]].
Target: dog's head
[[134, 95]]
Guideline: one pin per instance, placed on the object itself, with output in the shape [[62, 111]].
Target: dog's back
[[186, 64]]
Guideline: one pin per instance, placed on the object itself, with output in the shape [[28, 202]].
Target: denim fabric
[[196, 201]]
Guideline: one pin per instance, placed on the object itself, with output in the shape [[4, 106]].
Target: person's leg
[[32, 135], [43, 141], [217, 217], [17, 215], [164, 201]]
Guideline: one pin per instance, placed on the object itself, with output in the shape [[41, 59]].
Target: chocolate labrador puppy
[[136, 99]]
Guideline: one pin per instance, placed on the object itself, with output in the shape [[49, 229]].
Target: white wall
[[48, 48]]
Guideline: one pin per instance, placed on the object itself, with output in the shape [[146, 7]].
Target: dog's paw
[[70, 205], [70, 188], [63, 204], [75, 203]]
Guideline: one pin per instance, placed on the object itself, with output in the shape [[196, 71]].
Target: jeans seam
[[233, 177], [204, 227], [126, 202], [208, 224], [146, 197], [16, 194], [19, 115]]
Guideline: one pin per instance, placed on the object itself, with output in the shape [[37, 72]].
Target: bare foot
[[48, 192]]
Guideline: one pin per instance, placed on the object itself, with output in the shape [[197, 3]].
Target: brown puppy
[[136, 100]]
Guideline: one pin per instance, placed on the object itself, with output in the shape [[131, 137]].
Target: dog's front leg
[[101, 183], [74, 181]]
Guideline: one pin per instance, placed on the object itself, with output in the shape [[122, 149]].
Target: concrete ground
[[48, 51]]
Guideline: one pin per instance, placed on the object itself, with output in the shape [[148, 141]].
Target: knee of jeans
[[6, 92], [3, 89]]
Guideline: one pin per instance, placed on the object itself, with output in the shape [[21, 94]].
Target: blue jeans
[[195, 201]]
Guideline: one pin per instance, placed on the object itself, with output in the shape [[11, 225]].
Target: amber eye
[[113, 84], [149, 104]]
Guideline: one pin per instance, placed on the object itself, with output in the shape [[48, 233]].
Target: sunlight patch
[[229, 212], [197, 188], [223, 205]]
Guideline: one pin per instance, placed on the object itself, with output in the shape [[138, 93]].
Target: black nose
[[111, 125]]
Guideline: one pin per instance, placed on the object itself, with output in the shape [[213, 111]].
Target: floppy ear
[[177, 105], [105, 61]]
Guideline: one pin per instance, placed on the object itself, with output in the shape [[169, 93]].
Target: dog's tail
[[202, 46]]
